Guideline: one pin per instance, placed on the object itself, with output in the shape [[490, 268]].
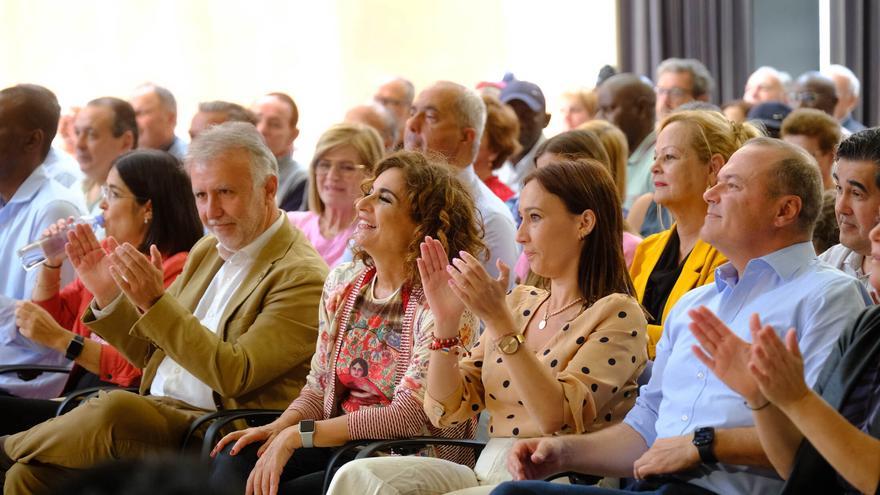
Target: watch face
[[306, 426], [704, 436], [509, 343]]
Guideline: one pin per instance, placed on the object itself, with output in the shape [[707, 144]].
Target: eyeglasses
[[804, 96], [673, 92], [112, 195], [389, 102], [345, 169]]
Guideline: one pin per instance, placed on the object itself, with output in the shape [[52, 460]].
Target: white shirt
[[500, 231], [849, 262], [172, 379]]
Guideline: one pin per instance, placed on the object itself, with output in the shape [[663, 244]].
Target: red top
[[68, 306], [499, 188]]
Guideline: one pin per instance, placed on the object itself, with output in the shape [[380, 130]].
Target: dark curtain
[[855, 43], [716, 32]]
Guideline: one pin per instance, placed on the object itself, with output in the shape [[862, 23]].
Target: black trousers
[[303, 474]]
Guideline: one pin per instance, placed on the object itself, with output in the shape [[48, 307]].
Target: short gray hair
[[231, 136], [469, 110], [839, 70], [702, 79], [234, 112], [166, 98], [796, 174]]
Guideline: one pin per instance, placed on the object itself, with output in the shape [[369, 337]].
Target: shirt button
[[439, 410], [700, 375], [684, 417]]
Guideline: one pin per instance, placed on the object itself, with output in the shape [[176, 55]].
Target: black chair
[[216, 421], [28, 372]]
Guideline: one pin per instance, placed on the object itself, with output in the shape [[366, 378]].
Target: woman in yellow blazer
[[692, 145]]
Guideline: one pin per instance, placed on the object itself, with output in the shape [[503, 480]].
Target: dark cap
[[527, 92], [771, 114]]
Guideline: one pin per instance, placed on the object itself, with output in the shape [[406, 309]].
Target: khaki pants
[[114, 425]]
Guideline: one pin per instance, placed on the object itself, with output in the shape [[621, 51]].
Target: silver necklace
[[548, 314]]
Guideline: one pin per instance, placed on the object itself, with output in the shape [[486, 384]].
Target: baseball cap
[[771, 114], [528, 93]]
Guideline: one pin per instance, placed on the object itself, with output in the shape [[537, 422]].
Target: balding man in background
[[379, 118], [766, 84], [155, 109], [397, 96], [216, 112], [277, 120], [848, 88]]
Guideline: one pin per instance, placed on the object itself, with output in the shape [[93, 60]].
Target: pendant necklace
[[548, 314]]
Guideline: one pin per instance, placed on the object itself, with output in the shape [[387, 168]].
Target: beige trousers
[[114, 425]]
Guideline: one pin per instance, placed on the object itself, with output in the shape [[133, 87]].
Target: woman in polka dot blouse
[[549, 362]]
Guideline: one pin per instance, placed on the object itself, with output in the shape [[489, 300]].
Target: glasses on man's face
[[112, 195], [672, 92], [805, 96], [389, 102], [344, 169]]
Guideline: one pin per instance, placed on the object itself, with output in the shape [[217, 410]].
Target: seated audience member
[[679, 81], [377, 117], [770, 116], [235, 330], [848, 87], [155, 110], [448, 119], [614, 142], [766, 84], [105, 128], [527, 101], [736, 111], [31, 202], [344, 157], [277, 118], [500, 141], [367, 377], [550, 362], [216, 112], [628, 102], [814, 90], [147, 202], [817, 133], [65, 130], [691, 147], [826, 233], [578, 106], [397, 96], [823, 440], [688, 432], [858, 197]]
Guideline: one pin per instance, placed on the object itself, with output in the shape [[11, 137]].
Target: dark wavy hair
[[441, 207], [584, 185], [157, 176]]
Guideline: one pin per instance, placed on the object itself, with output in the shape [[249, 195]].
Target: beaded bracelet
[[444, 344]]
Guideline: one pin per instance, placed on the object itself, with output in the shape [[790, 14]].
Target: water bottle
[[50, 246]]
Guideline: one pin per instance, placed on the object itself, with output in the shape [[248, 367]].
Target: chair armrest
[[28, 372], [373, 447], [217, 421]]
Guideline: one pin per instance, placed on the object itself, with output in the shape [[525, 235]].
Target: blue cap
[[528, 93]]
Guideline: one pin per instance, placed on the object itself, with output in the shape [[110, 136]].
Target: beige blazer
[[259, 357]]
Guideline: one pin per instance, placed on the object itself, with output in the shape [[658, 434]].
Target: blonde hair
[[614, 142], [712, 133], [364, 139], [586, 97]]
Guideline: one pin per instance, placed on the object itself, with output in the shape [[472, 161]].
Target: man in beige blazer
[[235, 330]]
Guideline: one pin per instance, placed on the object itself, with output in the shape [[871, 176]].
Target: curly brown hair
[[441, 207]]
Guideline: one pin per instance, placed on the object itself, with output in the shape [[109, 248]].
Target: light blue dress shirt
[[37, 203], [787, 288]]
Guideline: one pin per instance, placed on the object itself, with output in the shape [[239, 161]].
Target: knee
[[226, 467]]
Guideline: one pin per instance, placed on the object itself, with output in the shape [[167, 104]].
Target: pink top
[[630, 242], [329, 249]]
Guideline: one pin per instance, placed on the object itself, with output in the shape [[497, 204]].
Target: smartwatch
[[307, 433], [75, 347], [704, 438]]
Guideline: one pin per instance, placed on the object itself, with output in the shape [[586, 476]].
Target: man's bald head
[[30, 108], [627, 101], [377, 117]]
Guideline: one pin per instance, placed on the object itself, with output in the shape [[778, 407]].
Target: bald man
[[397, 96], [628, 101], [377, 117]]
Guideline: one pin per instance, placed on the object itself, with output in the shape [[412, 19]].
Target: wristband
[[746, 403], [75, 347], [440, 344]]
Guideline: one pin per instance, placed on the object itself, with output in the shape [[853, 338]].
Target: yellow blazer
[[699, 269], [260, 355]]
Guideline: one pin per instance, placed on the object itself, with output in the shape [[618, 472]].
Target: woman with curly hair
[[367, 377], [559, 361]]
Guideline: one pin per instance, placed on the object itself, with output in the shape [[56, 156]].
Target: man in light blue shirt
[[688, 432], [29, 202]]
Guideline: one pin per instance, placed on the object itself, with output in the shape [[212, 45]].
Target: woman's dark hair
[[584, 185], [159, 177], [359, 362]]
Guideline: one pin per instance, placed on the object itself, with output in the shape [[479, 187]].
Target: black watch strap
[[75, 347], [704, 440]]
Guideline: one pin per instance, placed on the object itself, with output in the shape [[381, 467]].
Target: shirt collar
[[646, 146], [253, 249], [29, 187], [783, 262]]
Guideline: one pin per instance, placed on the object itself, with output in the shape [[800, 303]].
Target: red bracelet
[[438, 344]]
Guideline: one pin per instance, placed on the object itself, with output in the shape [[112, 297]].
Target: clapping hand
[[139, 277], [91, 263], [482, 294], [445, 304], [778, 368]]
